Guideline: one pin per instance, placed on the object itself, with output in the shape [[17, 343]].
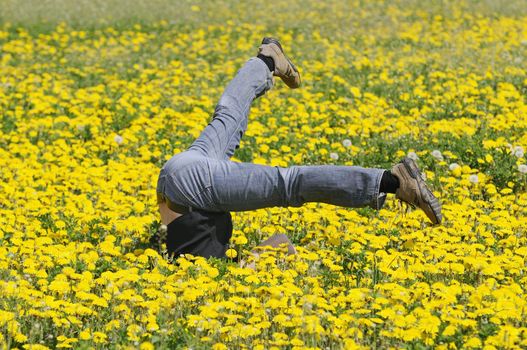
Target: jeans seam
[[232, 136], [247, 106], [190, 199], [208, 203], [377, 189]]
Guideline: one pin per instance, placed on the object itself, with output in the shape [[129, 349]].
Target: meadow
[[96, 95]]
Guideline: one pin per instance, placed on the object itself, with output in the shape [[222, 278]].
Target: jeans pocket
[[188, 182]]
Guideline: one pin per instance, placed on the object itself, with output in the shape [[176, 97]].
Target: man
[[199, 187]]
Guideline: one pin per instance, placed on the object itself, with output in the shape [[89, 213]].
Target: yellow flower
[[85, 335], [231, 253], [146, 346], [100, 338], [219, 346], [89, 115]]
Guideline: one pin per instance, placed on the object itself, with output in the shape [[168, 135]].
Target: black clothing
[[269, 62], [200, 233], [389, 182]]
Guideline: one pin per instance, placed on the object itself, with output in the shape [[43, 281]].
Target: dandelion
[[231, 253], [473, 178], [437, 154], [453, 166], [146, 346], [518, 151], [334, 156], [85, 335], [346, 143], [99, 337], [139, 207], [118, 139], [412, 155], [522, 168]]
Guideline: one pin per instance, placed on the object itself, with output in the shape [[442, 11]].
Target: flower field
[[91, 108]]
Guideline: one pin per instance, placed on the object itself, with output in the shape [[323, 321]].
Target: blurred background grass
[[370, 23], [46, 14]]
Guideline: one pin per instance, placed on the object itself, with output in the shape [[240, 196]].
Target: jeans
[[204, 177]]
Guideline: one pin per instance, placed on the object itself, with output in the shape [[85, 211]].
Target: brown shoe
[[414, 191], [283, 67]]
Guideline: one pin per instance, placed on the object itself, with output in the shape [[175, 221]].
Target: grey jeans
[[204, 177]]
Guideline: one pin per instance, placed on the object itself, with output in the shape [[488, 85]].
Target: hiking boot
[[414, 191], [283, 67]]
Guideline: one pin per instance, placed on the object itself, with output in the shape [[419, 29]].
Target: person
[[198, 188]]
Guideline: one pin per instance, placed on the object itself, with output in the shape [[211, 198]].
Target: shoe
[[283, 67], [414, 191]]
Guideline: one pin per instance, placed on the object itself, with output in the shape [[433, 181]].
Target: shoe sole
[[430, 200], [277, 43]]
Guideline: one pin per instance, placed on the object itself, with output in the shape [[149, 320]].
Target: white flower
[[346, 143], [453, 166], [473, 178], [334, 156], [437, 154], [118, 139], [412, 155], [80, 127], [522, 168], [518, 151]]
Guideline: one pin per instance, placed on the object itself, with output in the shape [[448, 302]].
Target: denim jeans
[[204, 177]]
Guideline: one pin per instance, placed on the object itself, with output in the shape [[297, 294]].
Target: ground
[[95, 96]]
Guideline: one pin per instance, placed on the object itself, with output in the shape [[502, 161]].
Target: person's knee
[[290, 182], [228, 107]]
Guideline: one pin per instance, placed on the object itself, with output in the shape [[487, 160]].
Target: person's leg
[[222, 135], [185, 177], [244, 186], [204, 178], [231, 186]]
